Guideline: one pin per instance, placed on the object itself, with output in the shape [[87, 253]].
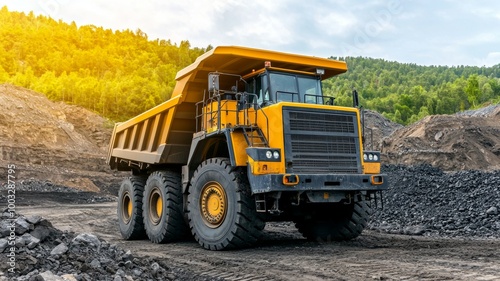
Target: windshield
[[295, 88]]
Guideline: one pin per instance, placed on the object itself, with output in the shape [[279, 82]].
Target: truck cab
[[275, 86]]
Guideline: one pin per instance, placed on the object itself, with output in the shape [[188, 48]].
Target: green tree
[[472, 89]]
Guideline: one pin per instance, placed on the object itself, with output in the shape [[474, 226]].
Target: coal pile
[[35, 189], [40, 186], [424, 200], [43, 252]]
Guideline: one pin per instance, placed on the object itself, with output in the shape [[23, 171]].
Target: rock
[[95, 263], [86, 277], [6, 214], [69, 277], [492, 211], [127, 256], [415, 230], [48, 276], [59, 250], [438, 135], [3, 244], [44, 230], [120, 272], [154, 268], [137, 272], [30, 240], [32, 245], [129, 264], [22, 226], [86, 239], [34, 219], [6, 226]]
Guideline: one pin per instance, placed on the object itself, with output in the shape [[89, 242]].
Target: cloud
[[491, 59], [336, 23]]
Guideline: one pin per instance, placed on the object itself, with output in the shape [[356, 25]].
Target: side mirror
[[330, 100], [355, 99], [213, 82]]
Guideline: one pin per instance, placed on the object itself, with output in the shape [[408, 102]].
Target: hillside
[[54, 143]]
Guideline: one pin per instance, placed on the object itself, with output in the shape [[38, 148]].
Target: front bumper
[[317, 182]]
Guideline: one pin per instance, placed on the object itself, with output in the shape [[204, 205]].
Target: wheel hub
[[155, 206], [126, 207], [213, 203]]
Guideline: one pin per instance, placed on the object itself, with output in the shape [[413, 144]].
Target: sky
[[425, 32]]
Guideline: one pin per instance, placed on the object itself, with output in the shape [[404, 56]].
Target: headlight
[[269, 154], [371, 156], [276, 155]]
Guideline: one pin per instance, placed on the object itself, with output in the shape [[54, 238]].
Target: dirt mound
[[466, 141], [377, 128], [61, 143], [30, 119]]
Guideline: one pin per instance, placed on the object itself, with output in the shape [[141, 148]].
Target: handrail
[[207, 114], [255, 105], [329, 100]]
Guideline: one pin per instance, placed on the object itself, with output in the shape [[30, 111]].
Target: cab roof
[[243, 60]]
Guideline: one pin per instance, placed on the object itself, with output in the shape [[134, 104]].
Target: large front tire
[[129, 209], [163, 207], [338, 224], [221, 212]]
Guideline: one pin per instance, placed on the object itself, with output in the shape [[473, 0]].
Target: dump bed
[[163, 134]]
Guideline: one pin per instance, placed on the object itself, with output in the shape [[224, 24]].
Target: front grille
[[321, 141]]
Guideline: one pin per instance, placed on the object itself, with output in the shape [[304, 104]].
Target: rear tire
[[129, 209], [163, 207], [221, 211], [344, 223]]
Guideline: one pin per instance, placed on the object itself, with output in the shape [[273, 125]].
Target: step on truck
[[247, 137]]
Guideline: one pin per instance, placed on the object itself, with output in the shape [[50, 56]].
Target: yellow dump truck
[[247, 137]]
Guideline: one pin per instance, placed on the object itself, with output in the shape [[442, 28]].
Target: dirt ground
[[283, 254]]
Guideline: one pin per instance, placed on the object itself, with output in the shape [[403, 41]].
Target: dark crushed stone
[[423, 200], [46, 253], [32, 188]]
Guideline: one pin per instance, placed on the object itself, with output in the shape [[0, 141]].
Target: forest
[[122, 73], [405, 93]]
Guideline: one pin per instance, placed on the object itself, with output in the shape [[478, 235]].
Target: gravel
[[46, 253], [484, 111], [424, 200], [34, 186]]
